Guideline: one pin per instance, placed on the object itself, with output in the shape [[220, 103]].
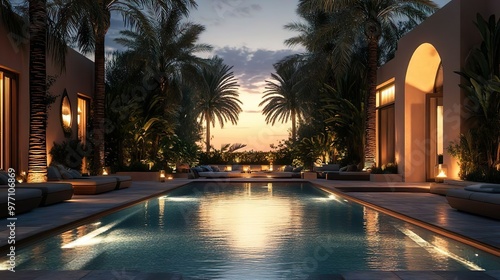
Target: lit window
[[386, 95]]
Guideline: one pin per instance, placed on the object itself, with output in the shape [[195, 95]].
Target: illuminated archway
[[423, 113]]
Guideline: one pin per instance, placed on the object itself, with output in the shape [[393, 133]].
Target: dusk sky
[[248, 35]]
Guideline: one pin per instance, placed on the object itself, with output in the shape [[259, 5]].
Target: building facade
[[420, 106], [68, 116]]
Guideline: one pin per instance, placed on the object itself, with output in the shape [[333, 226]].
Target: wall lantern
[[440, 170], [66, 115]]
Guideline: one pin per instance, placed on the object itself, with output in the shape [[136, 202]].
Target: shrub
[[70, 153], [390, 168]]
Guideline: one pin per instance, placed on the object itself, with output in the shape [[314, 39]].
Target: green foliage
[[150, 95], [217, 97], [345, 116], [390, 168], [69, 153], [228, 155], [477, 150]]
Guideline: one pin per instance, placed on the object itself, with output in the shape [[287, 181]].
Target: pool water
[[250, 231]]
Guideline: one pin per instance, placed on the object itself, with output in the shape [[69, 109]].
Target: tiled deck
[[430, 209]]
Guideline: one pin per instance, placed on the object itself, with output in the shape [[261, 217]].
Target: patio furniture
[[325, 169], [51, 192], [26, 200], [479, 199], [83, 186], [122, 181]]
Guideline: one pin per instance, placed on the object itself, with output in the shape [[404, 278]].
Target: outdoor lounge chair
[[51, 192], [83, 185], [479, 199], [122, 181], [26, 200]]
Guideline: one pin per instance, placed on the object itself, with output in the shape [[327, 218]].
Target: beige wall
[[77, 79], [446, 36]]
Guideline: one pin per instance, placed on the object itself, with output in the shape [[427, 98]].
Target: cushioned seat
[[484, 201], [25, 200], [51, 192], [487, 188], [96, 185], [122, 181]]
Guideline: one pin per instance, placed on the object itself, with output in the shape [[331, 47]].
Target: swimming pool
[[253, 231]]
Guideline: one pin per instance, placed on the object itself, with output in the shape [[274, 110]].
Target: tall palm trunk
[[208, 132], [37, 153], [98, 116], [372, 32], [294, 125], [99, 92]]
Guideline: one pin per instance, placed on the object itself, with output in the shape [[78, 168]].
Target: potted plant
[[385, 173]]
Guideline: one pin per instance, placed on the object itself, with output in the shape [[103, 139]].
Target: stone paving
[[425, 208]]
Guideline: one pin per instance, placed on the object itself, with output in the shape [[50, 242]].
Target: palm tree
[[163, 49], [218, 96], [368, 21], [90, 20], [37, 152], [11, 20], [43, 38], [282, 98]]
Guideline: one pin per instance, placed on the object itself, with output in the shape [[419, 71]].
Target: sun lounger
[[479, 199], [122, 181], [26, 200], [51, 192], [83, 186]]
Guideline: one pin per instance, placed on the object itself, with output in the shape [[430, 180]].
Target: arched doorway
[[434, 122], [423, 113]]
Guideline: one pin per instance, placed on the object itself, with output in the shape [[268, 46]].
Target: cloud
[[253, 111], [252, 67], [234, 8]]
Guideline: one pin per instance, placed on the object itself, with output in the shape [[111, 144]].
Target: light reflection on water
[[250, 230]]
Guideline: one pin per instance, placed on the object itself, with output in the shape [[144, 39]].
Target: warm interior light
[[66, 116], [440, 129], [386, 95], [104, 171], [66, 111], [79, 115], [229, 168], [162, 175]]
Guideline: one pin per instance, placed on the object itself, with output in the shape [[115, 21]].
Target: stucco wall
[[77, 79], [452, 34]]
